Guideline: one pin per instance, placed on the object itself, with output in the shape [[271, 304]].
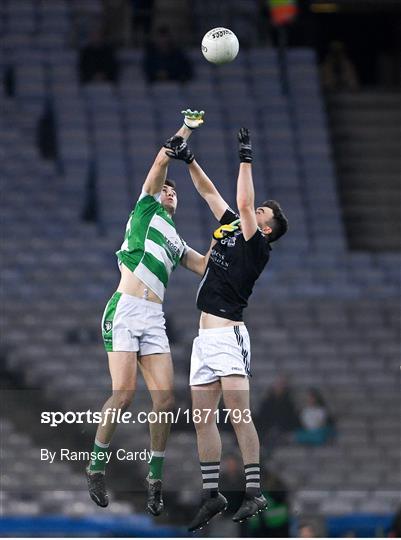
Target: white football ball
[[220, 45]]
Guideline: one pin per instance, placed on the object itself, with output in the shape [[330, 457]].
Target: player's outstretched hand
[[177, 148], [193, 119], [226, 230], [245, 146]]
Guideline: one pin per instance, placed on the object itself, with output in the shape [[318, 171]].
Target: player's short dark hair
[[279, 222], [170, 183]]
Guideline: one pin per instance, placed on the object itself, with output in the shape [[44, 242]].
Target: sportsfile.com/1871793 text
[[196, 416]]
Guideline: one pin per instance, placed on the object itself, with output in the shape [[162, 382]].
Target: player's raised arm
[[207, 190], [180, 150], [158, 172], [245, 189], [202, 182]]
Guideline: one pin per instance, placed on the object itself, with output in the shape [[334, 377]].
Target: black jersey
[[234, 266]]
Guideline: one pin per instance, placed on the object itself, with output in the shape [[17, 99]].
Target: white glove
[[193, 119]]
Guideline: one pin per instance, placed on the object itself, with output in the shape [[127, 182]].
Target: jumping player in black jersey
[[220, 361]]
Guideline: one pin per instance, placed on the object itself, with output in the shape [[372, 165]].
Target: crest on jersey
[[108, 325], [229, 240]]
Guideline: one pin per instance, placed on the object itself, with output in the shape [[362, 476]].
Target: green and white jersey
[[152, 248]]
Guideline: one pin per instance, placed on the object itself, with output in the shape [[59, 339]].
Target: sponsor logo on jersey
[[108, 325], [173, 247], [219, 259]]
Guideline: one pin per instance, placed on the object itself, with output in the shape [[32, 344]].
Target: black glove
[[178, 149], [245, 146]]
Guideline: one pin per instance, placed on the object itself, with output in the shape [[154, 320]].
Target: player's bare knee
[[164, 402], [202, 427], [241, 420], [204, 422], [122, 399]]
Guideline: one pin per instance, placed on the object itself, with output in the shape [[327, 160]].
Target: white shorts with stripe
[[134, 324], [218, 352]]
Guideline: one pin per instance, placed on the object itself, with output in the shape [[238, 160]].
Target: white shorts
[[132, 324], [218, 352]]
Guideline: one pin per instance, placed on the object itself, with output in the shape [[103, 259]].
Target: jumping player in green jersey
[[133, 325]]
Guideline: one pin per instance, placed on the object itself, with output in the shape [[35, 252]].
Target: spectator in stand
[[232, 482], [338, 72], [395, 529], [142, 15], [306, 530], [117, 15], [164, 61], [317, 424], [97, 60], [277, 414], [233, 485], [46, 133], [276, 522]]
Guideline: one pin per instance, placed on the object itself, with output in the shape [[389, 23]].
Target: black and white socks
[[210, 478], [252, 479]]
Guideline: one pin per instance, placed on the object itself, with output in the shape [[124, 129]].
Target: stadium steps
[[366, 137], [313, 151]]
